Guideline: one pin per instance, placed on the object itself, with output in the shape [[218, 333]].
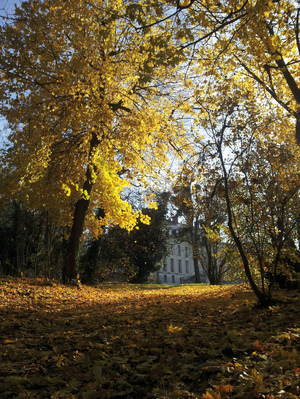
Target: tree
[[244, 55], [255, 43], [197, 200], [81, 91], [187, 206], [217, 254], [260, 184], [148, 243], [130, 256], [31, 244]]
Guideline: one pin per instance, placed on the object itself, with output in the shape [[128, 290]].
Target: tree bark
[[197, 271], [80, 212], [195, 243], [298, 129]]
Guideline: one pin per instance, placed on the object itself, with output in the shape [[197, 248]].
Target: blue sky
[[7, 7], [6, 10]]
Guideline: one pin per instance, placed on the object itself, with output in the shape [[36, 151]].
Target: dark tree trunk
[[197, 271], [81, 208], [298, 129], [48, 239], [195, 242]]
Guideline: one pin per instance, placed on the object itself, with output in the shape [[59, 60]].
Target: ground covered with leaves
[[146, 342]]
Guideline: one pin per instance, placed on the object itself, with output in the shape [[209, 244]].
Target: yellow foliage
[[83, 105], [173, 329], [214, 395]]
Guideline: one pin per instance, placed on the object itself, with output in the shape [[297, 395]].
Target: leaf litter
[[206, 342]]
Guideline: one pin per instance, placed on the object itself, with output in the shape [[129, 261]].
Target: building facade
[[179, 265]]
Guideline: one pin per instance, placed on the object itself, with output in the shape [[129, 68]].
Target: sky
[[6, 10], [7, 7]]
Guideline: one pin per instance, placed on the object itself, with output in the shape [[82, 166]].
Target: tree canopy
[[83, 96]]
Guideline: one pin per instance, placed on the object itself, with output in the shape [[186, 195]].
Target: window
[[171, 248], [172, 265], [165, 267], [179, 266], [179, 250], [187, 270], [165, 278], [173, 279], [186, 252]]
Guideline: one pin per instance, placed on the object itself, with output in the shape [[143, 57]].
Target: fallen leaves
[[134, 342], [258, 347]]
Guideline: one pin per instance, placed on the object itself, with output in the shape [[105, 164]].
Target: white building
[[179, 265]]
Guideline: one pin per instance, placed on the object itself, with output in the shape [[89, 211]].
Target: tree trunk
[[298, 129], [81, 208], [195, 243], [197, 271], [48, 264]]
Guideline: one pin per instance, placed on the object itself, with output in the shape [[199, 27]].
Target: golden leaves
[[173, 329], [84, 77], [167, 341], [221, 392], [66, 189]]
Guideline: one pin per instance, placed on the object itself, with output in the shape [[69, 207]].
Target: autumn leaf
[[79, 342], [258, 347], [224, 389]]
